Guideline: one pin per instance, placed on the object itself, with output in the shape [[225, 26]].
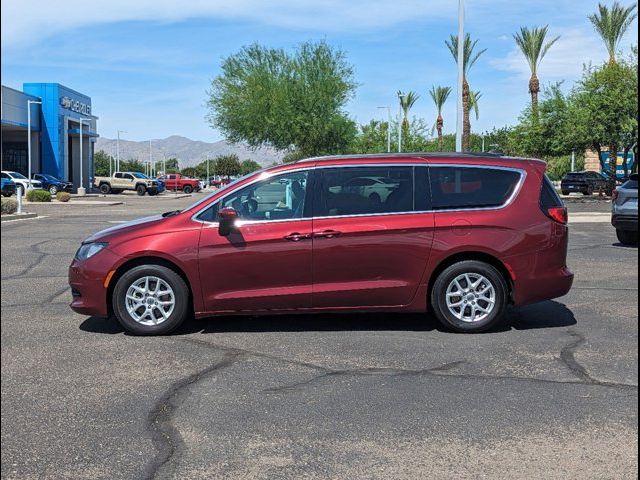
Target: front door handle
[[296, 237], [328, 234]]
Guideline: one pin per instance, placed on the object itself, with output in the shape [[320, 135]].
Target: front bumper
[[627, 223], [87, 282]]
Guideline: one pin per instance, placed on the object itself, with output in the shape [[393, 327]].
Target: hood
[[129, 227]]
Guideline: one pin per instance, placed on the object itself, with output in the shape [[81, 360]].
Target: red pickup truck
[[175, 181]]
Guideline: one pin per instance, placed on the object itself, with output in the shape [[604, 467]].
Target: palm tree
[[474, 98], [470, 57], [407, 101], [440, 96], [611, 24], [533, 47]]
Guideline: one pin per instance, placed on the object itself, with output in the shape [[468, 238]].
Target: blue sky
[[147, 63]]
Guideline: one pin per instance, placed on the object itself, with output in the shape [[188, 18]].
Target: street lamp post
[[460, 116], [388, 128], [29, 103], [118, 150], [81, 190]]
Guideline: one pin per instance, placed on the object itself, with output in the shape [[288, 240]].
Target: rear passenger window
[[469, 187], [364, 191]]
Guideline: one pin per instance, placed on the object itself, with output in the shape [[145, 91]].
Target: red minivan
[[459, 235]]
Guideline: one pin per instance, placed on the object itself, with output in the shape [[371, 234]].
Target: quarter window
[[364, 191], [468, 187]]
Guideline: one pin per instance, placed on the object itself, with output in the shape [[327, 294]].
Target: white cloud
[[25, 22]]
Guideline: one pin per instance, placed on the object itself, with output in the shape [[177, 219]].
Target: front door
[[372, 236], [265, 264]]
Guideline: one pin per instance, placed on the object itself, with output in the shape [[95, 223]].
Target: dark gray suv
[[625, 212]]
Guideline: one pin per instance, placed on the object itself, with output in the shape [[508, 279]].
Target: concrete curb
[[76, 202], [22, 216]]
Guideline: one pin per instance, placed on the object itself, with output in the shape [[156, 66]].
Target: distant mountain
[[188, 152]]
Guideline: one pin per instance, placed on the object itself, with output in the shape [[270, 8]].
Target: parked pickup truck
[[175, 181], [127, 181]]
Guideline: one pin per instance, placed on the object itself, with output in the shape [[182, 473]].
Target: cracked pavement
[[551, 394]]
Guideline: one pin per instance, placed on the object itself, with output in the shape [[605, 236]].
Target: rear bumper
[[625, 222], [544, 286]]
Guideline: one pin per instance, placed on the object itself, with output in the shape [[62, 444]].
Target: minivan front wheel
[[150, 300], [470, 296]]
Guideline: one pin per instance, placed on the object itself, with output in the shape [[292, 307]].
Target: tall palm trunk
[[466, 107], [613, 166], [440, 128], [534, 90]]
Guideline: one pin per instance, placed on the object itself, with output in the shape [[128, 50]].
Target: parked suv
[[462, 236], [53, 184], [625, 212], [586, 183]]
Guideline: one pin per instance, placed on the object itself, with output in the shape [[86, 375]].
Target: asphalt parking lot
[[553, 394]]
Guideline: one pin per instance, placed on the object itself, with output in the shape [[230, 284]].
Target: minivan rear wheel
[[627, 237], [150, 300], [470, 297]]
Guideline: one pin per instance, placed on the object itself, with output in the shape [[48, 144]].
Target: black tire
[[447, 277], [105, 188], [53, 190], [589, 191], [141, 190], [187, 189], [152, 193], [627, 237], [177, 284], [566, 192]]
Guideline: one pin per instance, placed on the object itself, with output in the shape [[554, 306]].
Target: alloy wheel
[[471, 297], [150, 300]]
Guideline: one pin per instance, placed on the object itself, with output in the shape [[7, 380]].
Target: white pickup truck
[[121, 181]]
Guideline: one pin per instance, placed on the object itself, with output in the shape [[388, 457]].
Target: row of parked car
[[14, 181], [143, 184]]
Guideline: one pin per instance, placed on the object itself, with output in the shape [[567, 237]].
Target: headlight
[[88, 250]]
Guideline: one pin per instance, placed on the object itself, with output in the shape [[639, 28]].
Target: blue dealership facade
[[59, 115]]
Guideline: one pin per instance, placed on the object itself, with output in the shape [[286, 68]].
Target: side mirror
[[227, 219]]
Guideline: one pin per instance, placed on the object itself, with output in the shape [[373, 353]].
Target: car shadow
[[627, 247], [539, 316]]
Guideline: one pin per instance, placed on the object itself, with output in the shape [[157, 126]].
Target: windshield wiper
[[171, 213]]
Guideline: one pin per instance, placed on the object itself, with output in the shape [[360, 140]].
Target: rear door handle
[[296, 237], [328, 234]]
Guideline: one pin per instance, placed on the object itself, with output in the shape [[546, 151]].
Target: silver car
[[625, 212]]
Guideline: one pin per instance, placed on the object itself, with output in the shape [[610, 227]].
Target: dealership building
[[63, 131]]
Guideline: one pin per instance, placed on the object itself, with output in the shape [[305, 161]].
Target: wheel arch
[[146, 260], [472, 255]]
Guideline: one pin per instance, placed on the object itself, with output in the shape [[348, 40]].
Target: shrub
[[9, 206], [38, 196], [63, 196]]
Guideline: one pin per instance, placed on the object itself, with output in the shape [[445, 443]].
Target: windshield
[[18, 175], [51, 178], [139, 175]]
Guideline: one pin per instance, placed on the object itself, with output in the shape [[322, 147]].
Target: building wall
[[14, 109]]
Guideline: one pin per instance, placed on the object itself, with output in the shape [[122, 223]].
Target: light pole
[[118, 150], [401, 96], [388, 128], [460, 116], [150, 160], [573, 160], [81, 190], [29, 103]]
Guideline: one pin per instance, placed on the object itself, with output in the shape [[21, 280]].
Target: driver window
[[281, 197]]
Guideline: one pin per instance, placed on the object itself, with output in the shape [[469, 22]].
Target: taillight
[[615, 195], [558, 214]]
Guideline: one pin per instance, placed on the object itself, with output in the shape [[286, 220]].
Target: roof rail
[[403, 155]]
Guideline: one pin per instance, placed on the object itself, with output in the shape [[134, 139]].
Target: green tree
[[534, 46], [228, 166], [470, 57], [267, 96], [611, 24], [474, 99], [440, 95], [101, 163], [249, 166]]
